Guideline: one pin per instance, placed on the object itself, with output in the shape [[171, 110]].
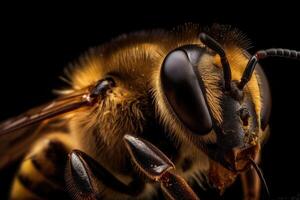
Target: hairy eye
[[244, 115], [103, 86]]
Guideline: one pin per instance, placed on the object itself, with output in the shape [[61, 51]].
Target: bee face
[[223, 123], [238, 134]]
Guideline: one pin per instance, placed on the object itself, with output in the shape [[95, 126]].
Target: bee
[[148, 114]]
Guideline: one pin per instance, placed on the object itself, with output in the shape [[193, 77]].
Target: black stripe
[[42, 189], [56, 176], [56, 154]]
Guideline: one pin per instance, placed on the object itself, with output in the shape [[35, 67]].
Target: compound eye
[[181, 87], [103, 86]]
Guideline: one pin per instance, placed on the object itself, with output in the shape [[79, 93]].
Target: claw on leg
[[175, 187], [80, 178], [156, 165], [87, 179], [151, 161]]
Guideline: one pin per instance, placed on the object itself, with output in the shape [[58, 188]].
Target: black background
[[37, 42]]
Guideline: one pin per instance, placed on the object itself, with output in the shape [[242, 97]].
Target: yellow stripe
[[28, 170], [20, 192]]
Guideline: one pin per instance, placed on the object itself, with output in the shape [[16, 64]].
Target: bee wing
[[17, 133]]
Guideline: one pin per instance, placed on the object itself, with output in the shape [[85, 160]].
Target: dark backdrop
[[36, 43]]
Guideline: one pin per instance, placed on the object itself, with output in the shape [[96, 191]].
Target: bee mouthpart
[[238, 158], [261, 176]]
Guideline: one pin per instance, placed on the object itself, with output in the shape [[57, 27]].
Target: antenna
[[214, 45], [262, 54]]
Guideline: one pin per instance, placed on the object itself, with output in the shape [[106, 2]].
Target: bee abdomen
[[41, 175]]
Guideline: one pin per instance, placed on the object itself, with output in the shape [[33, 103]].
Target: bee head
[[207, 107]]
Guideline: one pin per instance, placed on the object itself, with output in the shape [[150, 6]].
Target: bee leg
[[251, 184], [87, 179], [156, 166]]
